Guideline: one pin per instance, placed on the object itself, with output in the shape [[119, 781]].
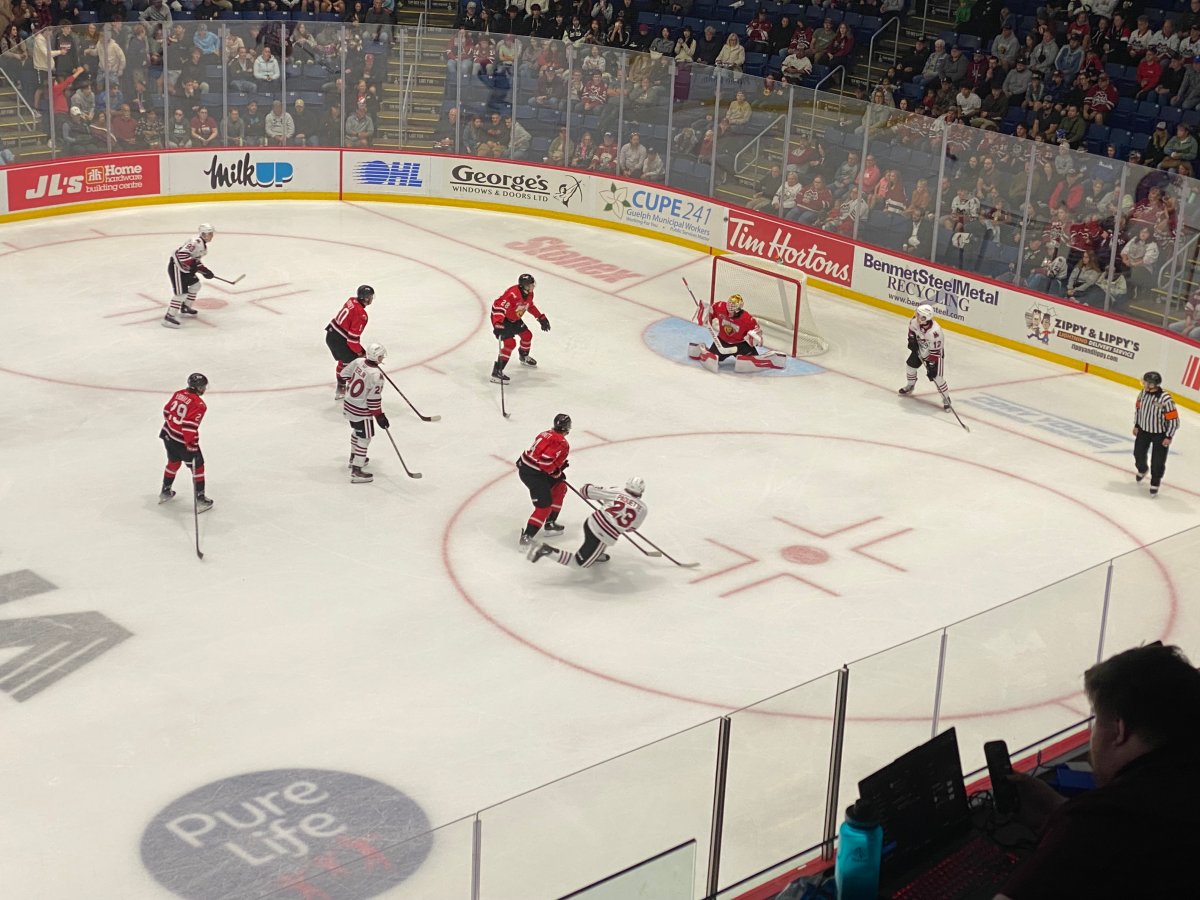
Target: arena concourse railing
[[1027, 213]]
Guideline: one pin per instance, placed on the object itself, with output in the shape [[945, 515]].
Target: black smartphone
[[1004, 792]]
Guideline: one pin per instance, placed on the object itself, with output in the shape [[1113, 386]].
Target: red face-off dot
[[803, 555]]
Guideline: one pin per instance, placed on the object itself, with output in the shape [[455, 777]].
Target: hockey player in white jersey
[[363, 406], [620, 510], [184, 269], [925, 347]]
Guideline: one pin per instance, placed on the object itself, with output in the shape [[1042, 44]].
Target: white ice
[[395, 631]]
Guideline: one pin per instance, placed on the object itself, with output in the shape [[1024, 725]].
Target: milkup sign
[[810, 251]]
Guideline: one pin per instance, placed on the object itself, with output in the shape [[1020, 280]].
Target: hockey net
[[775, 295]]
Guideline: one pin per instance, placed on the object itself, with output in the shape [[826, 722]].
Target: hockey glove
[[382, 419], [498, 332], [205, 271], [931, 367], [912, 342], [545, 323]]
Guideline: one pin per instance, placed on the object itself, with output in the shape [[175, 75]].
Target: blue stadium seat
[[1097, 138], [672, 22], [1122, 116], [1146, 116], [1172, 115], [756, 64], [1119, 138]]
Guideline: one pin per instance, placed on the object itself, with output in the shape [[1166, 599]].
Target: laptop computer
[[931, 849]]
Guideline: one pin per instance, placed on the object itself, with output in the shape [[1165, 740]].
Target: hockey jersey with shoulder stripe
[[619, 511]]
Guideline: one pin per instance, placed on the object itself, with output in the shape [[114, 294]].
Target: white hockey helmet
[[735, 304], [376, 353], [207, 231], [635, 485], [924, 313]]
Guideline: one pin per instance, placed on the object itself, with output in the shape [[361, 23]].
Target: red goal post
[[775, 295]]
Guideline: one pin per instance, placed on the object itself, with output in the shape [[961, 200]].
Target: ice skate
[[350, 465], [537, 551], [1139, 476], [603, 557], [359, 475], [906, 390], [340, 391], [553, 528], [165, 494], [1154, 490], [169, 321], [526, 539], [527, 360], [946, 404], [498, 376], [188, 310], [203, 504]]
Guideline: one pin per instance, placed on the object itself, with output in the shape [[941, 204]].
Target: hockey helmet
[[365, 294], [635, 485], [526, 283], [207, 232], [1153, 378], [924, 313], [197, 382], [376, 353], [735, 304], [562, 423]]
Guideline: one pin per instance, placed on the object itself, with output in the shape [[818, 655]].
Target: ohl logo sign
[[302, 832], [376, 172]]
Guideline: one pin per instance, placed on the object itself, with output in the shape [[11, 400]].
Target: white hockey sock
[[565, 557], [176, 303], [358, 450], [911, 375], [191, 300], [943, 388]]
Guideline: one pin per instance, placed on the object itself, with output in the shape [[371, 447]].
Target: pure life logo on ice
[[244, 172]]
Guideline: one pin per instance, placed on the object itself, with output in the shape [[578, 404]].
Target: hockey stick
[[628, 535], [407, 472], [503, 409], [196, 510], [227, 281], [960, 421], [409, 402], [689, 290]]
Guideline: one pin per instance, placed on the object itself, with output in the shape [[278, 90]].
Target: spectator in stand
[[203, 129], [891, 9], [1171, 81], [841, 48], [796, 66], [1072, 127], [156, 11], [1041, 58], [1085, 284], [708, 46], [560, 149], [1149, 73], [1017, 82], [1189, 325], [605, 158], [305, 124], [585, 150], [1140, 255], [654, 169], [1100, 100], [445, 135], [256, 134], [178, 133], [1070, 58], [233, 128], [956, 67], [732, 56], [1180, 149], [1005, 47], [266, 69], [241, 72], [851, 210], [786, 197], [84, 99], [594, 94], [1143, 755], [888, 194], [1156, 150], [1141, 41], [917, 240], [520, 140], [758, 33], [814, 202], [1189, 45], [329, 129], [764, 189], [278, 125], [124, 129], [469, 20], [992, 110], [821, 39], [360, 128], [150, 131], [968, 102], [739, 111], [1049, 270]]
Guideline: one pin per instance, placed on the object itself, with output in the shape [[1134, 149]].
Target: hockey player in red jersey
[[926, 348], [343, 335], [184, 269], [508, 324], [363, 406], [541, 468], [621, 510], [180, 434], [736, 334]]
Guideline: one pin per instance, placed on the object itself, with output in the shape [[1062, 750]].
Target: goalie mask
[[735, 304]]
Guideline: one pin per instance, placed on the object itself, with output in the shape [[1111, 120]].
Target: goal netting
[[775, 295]]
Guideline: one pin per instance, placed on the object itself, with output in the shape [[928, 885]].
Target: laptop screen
[[921, 799]]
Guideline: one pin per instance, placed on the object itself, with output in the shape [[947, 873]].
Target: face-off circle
[[252, 835], [799, 573]]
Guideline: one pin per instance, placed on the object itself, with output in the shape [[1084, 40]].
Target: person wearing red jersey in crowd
[[180, 434], [508, 324], [343, 335], [622, 510], [542, 470], [736, 333], [363, 407], [183, 269]]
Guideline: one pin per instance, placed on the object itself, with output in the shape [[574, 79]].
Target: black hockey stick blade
[[960, 421], [196, 519], [227, 281], [404, 465], [420, 416]]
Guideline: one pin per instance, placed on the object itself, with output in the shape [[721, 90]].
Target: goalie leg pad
[[710, 361], [747, 363], [695, 351]]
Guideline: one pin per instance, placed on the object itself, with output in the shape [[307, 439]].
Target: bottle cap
[[863, 813]]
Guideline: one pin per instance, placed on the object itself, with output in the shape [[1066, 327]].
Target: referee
[[1155, 422]]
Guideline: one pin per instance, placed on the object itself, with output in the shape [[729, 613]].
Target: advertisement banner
[[656, 209], [387, 174], [268, 171], [82, 181], [488, 181], [812, 252]]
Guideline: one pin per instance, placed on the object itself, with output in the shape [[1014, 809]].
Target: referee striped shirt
[[1156, 413]]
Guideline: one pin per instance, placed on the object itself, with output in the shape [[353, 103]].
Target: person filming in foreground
[[1138, 832]]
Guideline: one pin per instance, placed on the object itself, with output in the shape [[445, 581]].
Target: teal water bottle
[[860, 847]]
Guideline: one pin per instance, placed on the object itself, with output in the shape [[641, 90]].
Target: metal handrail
[[756, 143], [21, 101], [871, 49], [812, 125], [1185, 250], [411, 78]]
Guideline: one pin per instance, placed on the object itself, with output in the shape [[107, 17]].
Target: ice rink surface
[[393, 630]]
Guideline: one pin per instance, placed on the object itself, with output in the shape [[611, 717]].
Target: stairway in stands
[[429, 78], [27, 138]]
